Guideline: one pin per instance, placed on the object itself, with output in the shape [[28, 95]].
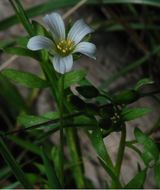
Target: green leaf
[[147, 157], [15, 101], [55, 156], [110, 172], [88, 91], [83, 120], [98, 144], [143, 82], [6, 43], [73, 77], [9, 159], [128, 114], [40, 29], [22, 16], [22, 52], [157, 172], [31, 120], [91, 109], [76, 102], [24, 78], [53, 181], [26, 144], [138, 181], [14, 185], [126, 97], [149, 145]]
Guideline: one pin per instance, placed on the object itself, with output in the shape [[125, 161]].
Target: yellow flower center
[[65, 47]]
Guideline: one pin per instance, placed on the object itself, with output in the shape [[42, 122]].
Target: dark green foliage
[[126, 97], [88, 91]]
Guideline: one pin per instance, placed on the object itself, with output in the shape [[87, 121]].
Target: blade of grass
[[53, 181], [9, 159], [26, 144], [76, 159], [12, 185], [22, 16]]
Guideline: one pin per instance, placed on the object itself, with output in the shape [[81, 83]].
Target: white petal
[[63, 64], [56, 25], [86, 48], [39, 42], [78, 31]]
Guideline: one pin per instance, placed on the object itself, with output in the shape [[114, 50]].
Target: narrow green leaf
[[149, 145], [6, 43], [128, 114], [73, 77], [22, 52], [9, 159], [88, 91], [147, 157], [76, 102], [24, 78], [138, 181], [134, 148], [53, 181], [157, 172], [143, 82], [14, 185], [7, 89], [31, 120], [22, 16], [97, 142], [55, 155], [26, 144], [111, 173], [125, 97], [76, 157], [5, 171]]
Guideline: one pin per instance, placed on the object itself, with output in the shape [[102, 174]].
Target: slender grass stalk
[[75, 153], [61, 110], [9, 159], [120, 156], [20, 13], [120, 151]]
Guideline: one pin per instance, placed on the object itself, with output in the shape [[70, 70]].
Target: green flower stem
[[120, 151], [20, 13], [119, 159], [72, 139], [61, 110], [75, 152]]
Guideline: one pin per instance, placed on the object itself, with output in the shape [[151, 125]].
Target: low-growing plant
[[38, 163]]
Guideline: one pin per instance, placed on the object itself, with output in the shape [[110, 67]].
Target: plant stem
[[119, 159], [61, 109], [120, 151], [22, 16], [75, 152]]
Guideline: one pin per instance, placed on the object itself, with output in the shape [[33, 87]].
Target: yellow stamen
[[65, 47]]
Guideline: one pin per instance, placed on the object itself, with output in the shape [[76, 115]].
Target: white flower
[[63, 46]]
